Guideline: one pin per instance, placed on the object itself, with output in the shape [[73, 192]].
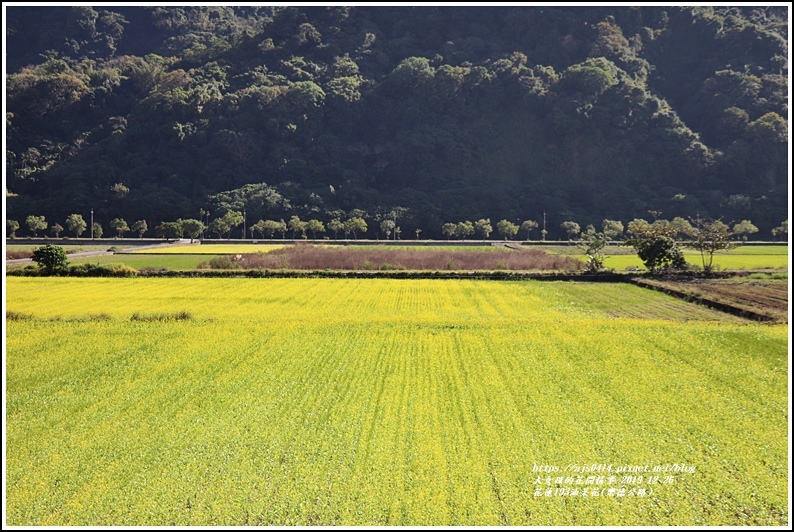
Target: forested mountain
[[454, 113]]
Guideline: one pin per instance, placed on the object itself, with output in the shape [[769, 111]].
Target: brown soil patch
[[765, 297]]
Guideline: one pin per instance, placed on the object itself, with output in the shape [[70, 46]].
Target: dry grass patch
[[308, 257]]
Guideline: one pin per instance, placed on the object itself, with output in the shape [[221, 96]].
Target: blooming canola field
[[387, 402]]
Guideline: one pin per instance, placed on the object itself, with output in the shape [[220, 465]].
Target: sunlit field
[[216, 249], [740, 258], [385, 402]]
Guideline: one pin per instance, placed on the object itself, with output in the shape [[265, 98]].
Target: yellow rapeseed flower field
[[387, 402]]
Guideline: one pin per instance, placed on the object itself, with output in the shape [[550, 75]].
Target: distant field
[[67, 247], [138, 261], [378, 402], [214, 249], [485, 248], [741, 258]]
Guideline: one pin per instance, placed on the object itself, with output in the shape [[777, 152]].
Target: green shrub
[[100, 270], [223, 262]]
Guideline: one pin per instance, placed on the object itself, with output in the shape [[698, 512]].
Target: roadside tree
[[50, 258], [36, 224], [529, 226], [192, 227], [139, 227], [483, 227], [282, 228], [572, 228], [386, 227], [355, 225], [612, 229], [76, 224], [744, 228], [314, 227], [219, 227], [173, 230], [464, 229], [335, 226], [782, 229], [270, 227], [507, 229], [297, 226], [12, 226], [120, 226]]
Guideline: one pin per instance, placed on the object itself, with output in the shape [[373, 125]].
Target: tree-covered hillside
[[454, 113]]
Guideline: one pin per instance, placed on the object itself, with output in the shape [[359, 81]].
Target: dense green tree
[[782, 229], [12, 226], [355, 225], [258, 227], [387, 226], [612, 229], [571, 228], [186, 104], [96, 230], [335, 225], [139, 227], [682, 226], [483, 227], [314, 227], [464, 229], [529, 226], [282, 228], [173, 230], [507, 229], [223, 225], [119, 190], [51, 259], [270, 227], [120, 226], [76, 224], [655, 245], [192, 228], [297, 226], [218, 226], [744, 228], [36, 224]]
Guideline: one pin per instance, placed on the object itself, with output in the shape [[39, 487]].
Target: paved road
[[105, 252]]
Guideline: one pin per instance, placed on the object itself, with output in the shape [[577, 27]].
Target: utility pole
[[92, 224], [544, 226]]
